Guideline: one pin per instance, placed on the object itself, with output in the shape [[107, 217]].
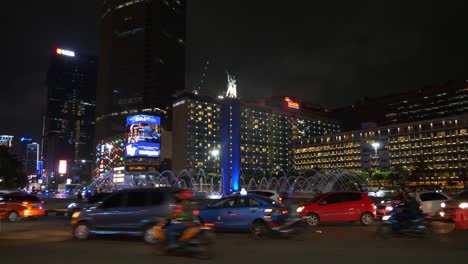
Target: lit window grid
[[266, 138], [442, 145]]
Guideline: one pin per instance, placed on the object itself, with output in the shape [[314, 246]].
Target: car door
[[431, 201], [329, 207], [134, 211], [217, 212], [3, 206], [244, 212], [352, 206], [107, 215]]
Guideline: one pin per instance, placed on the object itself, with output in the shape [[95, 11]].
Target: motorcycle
[[196, 240], [275, 225], [416, 226]]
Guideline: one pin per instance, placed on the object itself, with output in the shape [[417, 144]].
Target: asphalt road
[[48, 240]]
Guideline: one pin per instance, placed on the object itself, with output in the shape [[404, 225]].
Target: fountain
[[305, 182]]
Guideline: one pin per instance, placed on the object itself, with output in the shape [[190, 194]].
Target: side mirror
[[323, 203]]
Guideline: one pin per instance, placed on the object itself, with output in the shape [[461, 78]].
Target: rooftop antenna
[[202, 78]]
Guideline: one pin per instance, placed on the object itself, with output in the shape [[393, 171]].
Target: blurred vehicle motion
[[456, 210], [339, 207], [88, 202], [274, 195], [243, 212], [17, 205], [128, 212], [197, 240]]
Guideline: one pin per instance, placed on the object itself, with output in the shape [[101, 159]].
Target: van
[[127, 212]]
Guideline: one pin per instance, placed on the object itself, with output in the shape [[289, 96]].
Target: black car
[[127, 212], [92, 200]]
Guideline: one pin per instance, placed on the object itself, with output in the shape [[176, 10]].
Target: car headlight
[[300, 209], [385, 217], [442, 205], [463, 205], [268, 210], [76, 214], [388, 208], [72, 205]]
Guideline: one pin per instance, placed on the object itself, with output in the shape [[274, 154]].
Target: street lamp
[[214, 153], [376, 145]]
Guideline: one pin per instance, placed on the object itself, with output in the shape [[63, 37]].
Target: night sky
[[326, 52]]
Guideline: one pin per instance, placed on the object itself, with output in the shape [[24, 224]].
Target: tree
[[11, 170]]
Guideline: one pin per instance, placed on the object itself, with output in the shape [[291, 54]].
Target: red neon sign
[[291, 103]]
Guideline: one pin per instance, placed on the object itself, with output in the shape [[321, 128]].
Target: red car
[[339, 207]]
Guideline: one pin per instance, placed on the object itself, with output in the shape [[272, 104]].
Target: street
[[48, 240]]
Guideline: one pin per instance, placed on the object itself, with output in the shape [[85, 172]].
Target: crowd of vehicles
[[144, 212]]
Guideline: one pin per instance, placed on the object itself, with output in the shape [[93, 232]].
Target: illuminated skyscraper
[[69, 120], [142, 57]]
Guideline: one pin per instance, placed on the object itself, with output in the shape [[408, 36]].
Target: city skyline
[[320, 51]]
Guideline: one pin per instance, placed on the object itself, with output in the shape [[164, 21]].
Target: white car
[[430, 201]]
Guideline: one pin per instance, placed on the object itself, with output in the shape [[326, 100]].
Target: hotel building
[[268, 128], [438, 147]]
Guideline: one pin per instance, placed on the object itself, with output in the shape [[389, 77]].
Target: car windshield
[[316, 198]]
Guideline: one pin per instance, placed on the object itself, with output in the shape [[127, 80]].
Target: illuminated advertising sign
[[65, 52], [144, 136], [62, 166], [291, 103]]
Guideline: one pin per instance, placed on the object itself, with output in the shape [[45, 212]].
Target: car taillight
[[280, 199], [24, 203], [284, 212], [196, 212]]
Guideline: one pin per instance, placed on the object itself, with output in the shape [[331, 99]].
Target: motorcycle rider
[[181, 217], [409, 209]]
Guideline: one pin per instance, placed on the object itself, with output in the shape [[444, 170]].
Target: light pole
[[376, 145], [214, 153]]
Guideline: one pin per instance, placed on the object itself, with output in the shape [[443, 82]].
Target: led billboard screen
[[144, 136]]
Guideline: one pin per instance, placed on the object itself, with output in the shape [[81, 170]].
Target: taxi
[[14, 206]]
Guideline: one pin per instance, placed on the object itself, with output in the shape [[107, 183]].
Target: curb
[[57, 212]]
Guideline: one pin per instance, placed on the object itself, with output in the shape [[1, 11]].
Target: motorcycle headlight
[[300, 209], [442, 205], [76, 214], [463, 205]]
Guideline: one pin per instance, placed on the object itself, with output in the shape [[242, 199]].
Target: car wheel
[[313, 220], [148, 235], [81, 231], [13, 216], [259, 230], [367, 218]]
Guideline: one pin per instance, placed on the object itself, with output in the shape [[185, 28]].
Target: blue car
[[238, 212]]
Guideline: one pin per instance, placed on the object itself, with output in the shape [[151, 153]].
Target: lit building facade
[[31, 158], [432, 150], [267, 134], [70, 114], [6, 141], [427, 103], [142, 55]]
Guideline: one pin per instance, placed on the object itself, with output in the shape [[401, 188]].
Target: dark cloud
[[328, 52]]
